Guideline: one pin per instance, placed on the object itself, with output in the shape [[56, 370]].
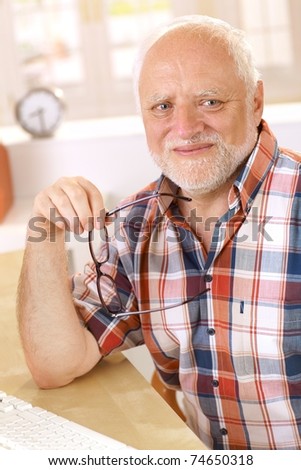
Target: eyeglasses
[[106, 284]]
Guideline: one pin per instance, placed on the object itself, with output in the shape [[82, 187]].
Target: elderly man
[[204, 267]]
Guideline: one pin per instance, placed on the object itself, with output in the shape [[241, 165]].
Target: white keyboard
[[23, 426]]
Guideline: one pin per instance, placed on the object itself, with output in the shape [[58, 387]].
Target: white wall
[[285, 122], [112, 153]]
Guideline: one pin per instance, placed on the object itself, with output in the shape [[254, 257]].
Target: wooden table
[[114, 398]]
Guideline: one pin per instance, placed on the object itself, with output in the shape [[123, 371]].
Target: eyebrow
[[208, 92], [157, 98]]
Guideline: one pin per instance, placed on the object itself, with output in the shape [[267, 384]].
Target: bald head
[[205, 31]]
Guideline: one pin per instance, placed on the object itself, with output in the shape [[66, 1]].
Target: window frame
[[273, 77], [101, 96]]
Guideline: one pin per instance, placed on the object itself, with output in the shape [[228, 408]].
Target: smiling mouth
[[192, 150]]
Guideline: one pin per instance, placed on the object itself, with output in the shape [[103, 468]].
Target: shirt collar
[[247, 184], [165, 185]]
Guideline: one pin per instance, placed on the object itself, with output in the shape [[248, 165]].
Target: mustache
[[199, 138]]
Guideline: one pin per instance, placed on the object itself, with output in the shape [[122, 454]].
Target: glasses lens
[[110, 294], [99, 246]]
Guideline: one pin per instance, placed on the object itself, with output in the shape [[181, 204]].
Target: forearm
[[56, 346]]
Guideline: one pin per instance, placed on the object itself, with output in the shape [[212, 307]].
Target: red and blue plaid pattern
[[235, 352]]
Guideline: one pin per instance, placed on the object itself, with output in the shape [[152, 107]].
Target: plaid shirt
[[235, 351]]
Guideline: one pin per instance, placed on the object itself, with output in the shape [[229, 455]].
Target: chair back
[[169, 395]]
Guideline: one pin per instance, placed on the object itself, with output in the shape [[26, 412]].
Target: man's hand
[[71, 203]]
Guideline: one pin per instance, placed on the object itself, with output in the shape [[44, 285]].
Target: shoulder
[[291, 156]]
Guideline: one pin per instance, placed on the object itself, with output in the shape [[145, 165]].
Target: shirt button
[[211, 331], [208, 278], [223, 431], [214, 383]]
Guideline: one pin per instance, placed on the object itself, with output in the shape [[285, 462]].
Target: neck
[[205, 209], [205, 200]]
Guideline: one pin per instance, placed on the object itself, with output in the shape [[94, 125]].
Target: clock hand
[[39, 113]]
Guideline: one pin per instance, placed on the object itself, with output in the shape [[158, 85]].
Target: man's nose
[[188, 122]]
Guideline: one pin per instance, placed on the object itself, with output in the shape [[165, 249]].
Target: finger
[[58, 220], [96, 204], [72, 203], [44, 210], [65, 210]]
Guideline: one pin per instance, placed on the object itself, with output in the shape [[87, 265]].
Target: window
[[84, 47], [272, 27], [47, 36], [269, 30], [87, 47], [126, 24]]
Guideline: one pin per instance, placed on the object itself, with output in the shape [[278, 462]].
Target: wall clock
[[40, 111]]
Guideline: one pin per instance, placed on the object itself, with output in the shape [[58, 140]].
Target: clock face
[[40, 111]]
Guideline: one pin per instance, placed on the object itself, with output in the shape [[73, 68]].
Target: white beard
[[204, 174]]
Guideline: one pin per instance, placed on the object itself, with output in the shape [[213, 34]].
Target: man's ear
[[258, 103]]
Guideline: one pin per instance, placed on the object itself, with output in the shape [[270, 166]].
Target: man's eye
[[162, 107], [212, 103]]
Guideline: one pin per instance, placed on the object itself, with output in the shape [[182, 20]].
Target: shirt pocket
[[266, 338]]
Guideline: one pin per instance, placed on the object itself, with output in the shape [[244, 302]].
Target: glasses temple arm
[[146, 198]]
